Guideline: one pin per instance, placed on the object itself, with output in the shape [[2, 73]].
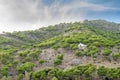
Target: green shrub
[[92, 51], [28, 66], [107, 52], [15, 62], [34, 54], [6, 78], [24, 53], [27, 59], [56, 46], [58, 59], [98, 44], [47, 43], [57, 62], [94, 59], [20, 77], [54, 78], [73, 46], [78, 53], [41, 61], [109, 44], [102, 71], [116, 55], [118, 47], [4, 71], [60, 56], [65, 45]]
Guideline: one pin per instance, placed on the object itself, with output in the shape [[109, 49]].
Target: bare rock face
[[75, 62], [48, 55]]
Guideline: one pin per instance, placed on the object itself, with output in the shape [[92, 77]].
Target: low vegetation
[[47, 53]]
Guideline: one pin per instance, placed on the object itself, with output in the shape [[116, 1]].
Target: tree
[[4, 71], [28, 66], [78, 53], [58, 59], [102, 71], [54, 78], [107, 52]]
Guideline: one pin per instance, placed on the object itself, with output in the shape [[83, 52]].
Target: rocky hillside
[[67, 51]]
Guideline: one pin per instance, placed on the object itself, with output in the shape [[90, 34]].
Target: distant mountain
[[104, 25], [36, 36], [31, 37]]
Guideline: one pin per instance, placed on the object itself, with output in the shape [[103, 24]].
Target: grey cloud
[[34, 12], [23, 10]]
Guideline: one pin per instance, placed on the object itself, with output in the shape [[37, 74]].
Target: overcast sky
[[19, 15]]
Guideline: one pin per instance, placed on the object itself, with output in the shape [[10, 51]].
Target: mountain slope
[[52, 53], [102, 24]]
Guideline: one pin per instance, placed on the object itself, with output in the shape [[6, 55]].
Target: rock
[[75, 62], [81, 46]]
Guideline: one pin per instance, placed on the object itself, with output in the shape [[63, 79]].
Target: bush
[[28, 66], [24, 53], [73, 46], [60, 56], [54, 78], [109, 44], [102, 71], [35, 54], [91, 51], [57, 62], [107, 52], [58, 59], [65, 45], [41, 61], [6, 78], [20, 77], [118, 47], [116, 55], [4, 70], [15, 62], [27, 59], [78, 53], [47, 43], [56, 47], [98, 44]]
